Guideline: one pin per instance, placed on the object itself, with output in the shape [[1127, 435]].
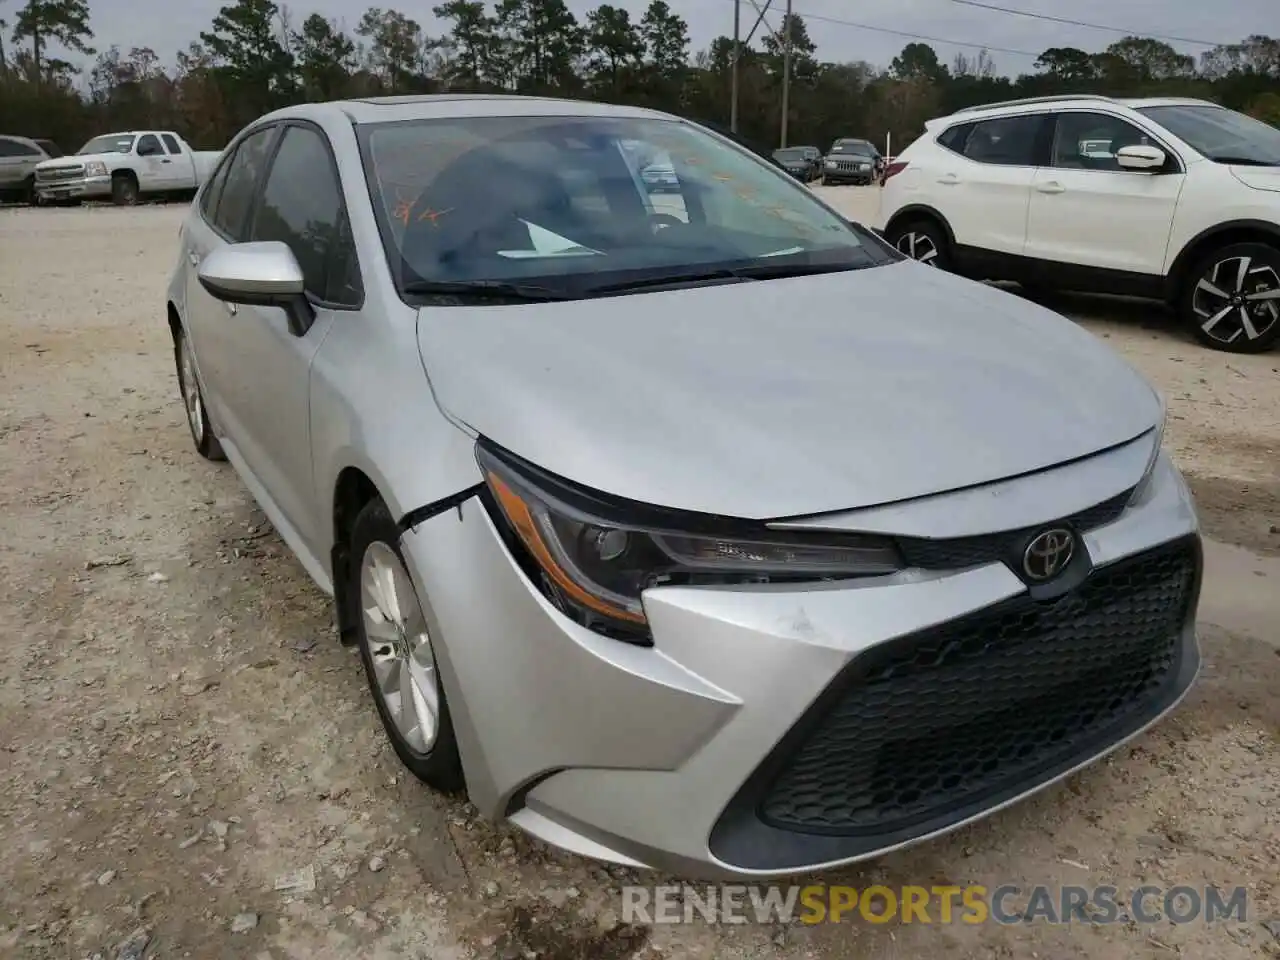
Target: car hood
[[73, 159], [786, 397], [1260, 178]]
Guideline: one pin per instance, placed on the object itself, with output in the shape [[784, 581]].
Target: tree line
[[258, 55]]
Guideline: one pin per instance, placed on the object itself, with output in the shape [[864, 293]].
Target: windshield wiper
[[1245, 161], [663, 280], [486, 289]]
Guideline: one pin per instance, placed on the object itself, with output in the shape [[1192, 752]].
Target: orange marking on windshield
[[433, 215], [722, 177]]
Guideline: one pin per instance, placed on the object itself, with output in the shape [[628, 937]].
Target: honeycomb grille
[[960, 552], [942, 718]]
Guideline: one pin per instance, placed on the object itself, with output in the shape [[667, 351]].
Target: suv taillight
[[893, 169]]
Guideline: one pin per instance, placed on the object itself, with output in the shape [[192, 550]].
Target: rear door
[[178, 169], [1088, 211], [982, 185]]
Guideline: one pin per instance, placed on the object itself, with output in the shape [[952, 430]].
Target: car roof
[[1068, 102], [13, 136], [442, 106]]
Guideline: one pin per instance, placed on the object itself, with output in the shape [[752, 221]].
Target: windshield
[[111, 143], [576, 203], [785, 155], [1220, 134], [854, 146]]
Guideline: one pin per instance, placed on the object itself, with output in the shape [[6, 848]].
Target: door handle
[[166, 160], [949, 179], [1053, 186]]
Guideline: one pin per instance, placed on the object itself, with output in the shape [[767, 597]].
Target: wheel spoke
[[1246, 322], [1264, 295], [1242, 275], [1209, 287], [1214, 320]]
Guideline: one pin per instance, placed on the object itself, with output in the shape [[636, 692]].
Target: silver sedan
[[698, 531]]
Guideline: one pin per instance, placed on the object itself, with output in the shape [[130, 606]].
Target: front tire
[[924, 241], [1231, 300], [396, 649], [206, 443], [124, 191]]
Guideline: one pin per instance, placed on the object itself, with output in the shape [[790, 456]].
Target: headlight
[[95, 168], [594, 557], [1141, 489]]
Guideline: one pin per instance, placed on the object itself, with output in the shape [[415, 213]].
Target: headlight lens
[[95, 168], [594, 559], [1144, 484]]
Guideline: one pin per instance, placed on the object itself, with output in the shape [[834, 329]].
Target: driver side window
[[149, 146], [1089, 141]]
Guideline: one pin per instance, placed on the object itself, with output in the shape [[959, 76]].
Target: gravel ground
[[180, 730]]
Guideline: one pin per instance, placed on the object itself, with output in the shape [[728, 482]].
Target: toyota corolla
[[699, 531]]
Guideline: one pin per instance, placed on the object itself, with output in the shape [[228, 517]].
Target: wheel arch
[[353, 489], [921, 211], [1220, 235]]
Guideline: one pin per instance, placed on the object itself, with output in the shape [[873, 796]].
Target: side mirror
[[1140, 158], [261, 274]]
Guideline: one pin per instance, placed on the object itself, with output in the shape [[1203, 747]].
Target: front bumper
[[848, 176], [86, 188], [779, 729]]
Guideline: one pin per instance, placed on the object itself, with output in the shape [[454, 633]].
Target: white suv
[[1172, 199]]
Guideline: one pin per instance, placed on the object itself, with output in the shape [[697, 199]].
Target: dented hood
[[786, 397]]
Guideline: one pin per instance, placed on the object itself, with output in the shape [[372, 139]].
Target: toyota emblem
[[1048, 554]]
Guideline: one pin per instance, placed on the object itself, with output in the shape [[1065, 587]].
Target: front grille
[[941, 719], [850, 166], [60, 173], [959, 552]]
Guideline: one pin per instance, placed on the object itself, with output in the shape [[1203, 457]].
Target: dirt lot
[[179, 727]]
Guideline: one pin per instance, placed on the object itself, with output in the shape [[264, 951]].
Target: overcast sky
[[166, 26]]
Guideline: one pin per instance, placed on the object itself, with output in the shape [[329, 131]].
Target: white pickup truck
[[124, 168]]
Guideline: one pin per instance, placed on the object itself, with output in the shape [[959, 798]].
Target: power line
[[1084, 23], [912, 36]]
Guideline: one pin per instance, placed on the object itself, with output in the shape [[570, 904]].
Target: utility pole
[[737, 53], [786, 71]]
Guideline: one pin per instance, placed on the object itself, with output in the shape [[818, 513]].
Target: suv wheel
[[924, 241], [1231, 300]]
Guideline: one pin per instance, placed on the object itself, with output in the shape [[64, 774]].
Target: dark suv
[[803, 163], [852, 161]]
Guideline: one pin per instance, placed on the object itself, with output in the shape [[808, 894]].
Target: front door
[[264, 367], [1088, 211]]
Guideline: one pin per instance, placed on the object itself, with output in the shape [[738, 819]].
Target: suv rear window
[[954, 138]]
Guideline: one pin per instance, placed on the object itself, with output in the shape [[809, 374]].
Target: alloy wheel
[[918, 246], [1237, 297], [191, 392], [399, 646]]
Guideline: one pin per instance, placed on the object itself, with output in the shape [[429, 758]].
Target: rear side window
[[302, 206], [954, 139], [149, 146], [13, 148], [1005, 141], [243, 173], [170, 143]]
